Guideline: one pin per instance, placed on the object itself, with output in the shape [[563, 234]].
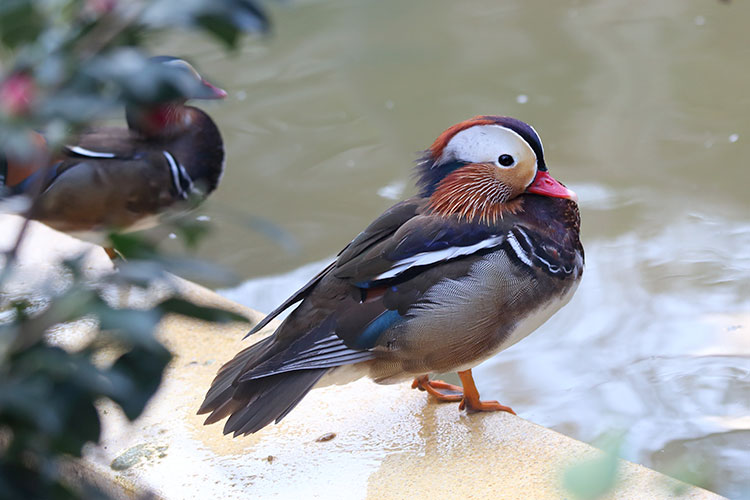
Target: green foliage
[[68, 63], [692, 469], [48, 394], [592, 479], [144, 261], [76, 60], [20, 22]]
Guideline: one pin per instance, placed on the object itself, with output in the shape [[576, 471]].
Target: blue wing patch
[[370, 335]]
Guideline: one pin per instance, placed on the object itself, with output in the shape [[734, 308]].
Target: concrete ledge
[[355, 441]]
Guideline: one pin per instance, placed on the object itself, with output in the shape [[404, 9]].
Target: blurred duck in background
[[111, 179]]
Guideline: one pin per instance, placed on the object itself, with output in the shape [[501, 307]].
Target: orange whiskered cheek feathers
[[475, 192]]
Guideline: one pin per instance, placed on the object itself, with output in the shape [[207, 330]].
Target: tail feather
[[223, 385], [222, 411], [270, 399], [253, 404], [264, 382]]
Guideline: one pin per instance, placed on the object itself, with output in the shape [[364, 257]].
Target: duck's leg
[[123, 291], [471, 401], [111, 253], [423, 383]]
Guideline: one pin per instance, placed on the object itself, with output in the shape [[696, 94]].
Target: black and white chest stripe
[[532, 254], [181, 180]]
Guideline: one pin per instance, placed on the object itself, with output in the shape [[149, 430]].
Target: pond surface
[[643, 109]]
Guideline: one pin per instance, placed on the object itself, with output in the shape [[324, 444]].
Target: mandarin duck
[[485, 253], [124, 179]]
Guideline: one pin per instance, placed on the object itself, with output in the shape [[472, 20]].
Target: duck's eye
[[506, 160]]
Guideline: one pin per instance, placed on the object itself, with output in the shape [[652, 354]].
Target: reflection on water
[[643, 110]]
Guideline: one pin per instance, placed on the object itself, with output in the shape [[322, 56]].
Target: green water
[[643, 109]]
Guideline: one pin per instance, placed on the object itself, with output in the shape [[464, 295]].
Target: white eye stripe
[[486, 144]]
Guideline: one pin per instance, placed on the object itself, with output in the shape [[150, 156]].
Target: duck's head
[[161, 111], [478, 167], [179, 80]]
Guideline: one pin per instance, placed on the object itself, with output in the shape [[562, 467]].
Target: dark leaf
[[71, 305], [193, 232], [144, 369], [21, 410], [220, 27], [187, 308], [199, 270], [59, 366], [132, 246], [224, 19], [20, 22], [264, 226], [21, 481], [133, 326], [145, 262], [137, 273], [81, 424]]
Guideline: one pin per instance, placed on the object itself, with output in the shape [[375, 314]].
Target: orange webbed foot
[[423, 383], [474, 407], [471, 402]]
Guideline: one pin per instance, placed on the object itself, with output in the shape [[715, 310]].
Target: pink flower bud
[[17, 94]]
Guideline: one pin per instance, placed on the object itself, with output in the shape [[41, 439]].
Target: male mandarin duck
[[485, 253], [123, 179]]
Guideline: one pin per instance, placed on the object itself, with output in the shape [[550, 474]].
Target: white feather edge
[[87, 152], [427, 258]]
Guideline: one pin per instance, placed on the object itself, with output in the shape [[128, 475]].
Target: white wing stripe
[[427, 258], [87, 152], [331, 338]]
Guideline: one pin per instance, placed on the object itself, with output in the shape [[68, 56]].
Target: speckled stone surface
[[359, 441]]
